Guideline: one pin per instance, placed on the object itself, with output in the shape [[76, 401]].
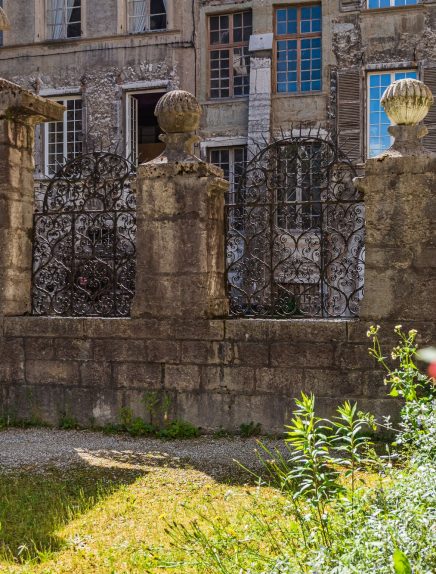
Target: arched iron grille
[[295, 233], [84, 253]]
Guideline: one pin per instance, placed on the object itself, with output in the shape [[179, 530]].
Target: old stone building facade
[[260, 70], [252, 70]]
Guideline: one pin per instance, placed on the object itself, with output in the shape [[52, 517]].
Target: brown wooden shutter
[[349, 113], [349, 5], [430, 121]]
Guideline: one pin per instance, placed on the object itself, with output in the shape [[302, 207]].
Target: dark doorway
[[144, 129]]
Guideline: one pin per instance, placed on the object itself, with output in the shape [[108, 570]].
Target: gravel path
[[39, 448]]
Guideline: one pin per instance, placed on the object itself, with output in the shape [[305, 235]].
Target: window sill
[[231, 100], [62, 40], [147, 32], [279, 95]]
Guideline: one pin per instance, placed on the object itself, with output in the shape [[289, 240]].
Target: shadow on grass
[[33, 505]]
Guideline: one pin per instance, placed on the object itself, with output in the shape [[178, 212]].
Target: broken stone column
[[20, 111], [399, 193], [180, 223]]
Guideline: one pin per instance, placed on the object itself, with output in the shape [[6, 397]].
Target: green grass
[[113, 518]]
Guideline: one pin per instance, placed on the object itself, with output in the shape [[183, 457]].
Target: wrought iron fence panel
[[84, 251], [295, 233]]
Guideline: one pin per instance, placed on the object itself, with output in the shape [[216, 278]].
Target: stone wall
[[217, 373]]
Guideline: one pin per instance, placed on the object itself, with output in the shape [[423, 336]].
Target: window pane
[[73, 18], [379, 138], [158, 22]]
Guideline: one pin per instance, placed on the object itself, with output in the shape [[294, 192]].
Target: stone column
[[399, 193], [20, 111], [259, 102], [180, 219]]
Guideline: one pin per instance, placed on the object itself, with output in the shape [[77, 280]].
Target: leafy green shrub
[[179, 429], [222, 433], [247, 430], [417, 429], [67, 422], [136, 426]]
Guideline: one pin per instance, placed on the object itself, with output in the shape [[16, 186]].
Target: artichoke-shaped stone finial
[[4, 20], [407, 102], [178, 112]]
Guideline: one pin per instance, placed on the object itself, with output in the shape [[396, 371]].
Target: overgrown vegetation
[[159, 425], [336, 520]]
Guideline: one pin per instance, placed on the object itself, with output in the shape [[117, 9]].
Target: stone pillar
[[259, 102], [180, 220], [20, 111], [399, 193]]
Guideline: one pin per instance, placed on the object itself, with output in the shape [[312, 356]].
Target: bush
[[179, 429], [247, 430]]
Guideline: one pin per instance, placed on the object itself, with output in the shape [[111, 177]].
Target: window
[[299, 180], [64, 19], [229, 61], [378, 122], [390, 3], [64, 139], [232, 161], [147, 15], [298, 49]]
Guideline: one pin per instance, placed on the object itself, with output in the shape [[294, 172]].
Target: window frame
[[369, 74], [49, 27], [62, 100], [392, 5], [230, 47], [148, 29], [298, 36]]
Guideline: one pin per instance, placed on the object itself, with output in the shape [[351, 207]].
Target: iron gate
[[295, 233], [84, 253]]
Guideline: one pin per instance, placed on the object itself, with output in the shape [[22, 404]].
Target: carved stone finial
[[178, 113], [4, 20], [407, 102]]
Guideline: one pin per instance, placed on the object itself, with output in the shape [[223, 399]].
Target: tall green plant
[[311, 468], [403, 377]]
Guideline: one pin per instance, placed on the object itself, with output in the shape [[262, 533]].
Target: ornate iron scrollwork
[[84, 252], [295, 233]]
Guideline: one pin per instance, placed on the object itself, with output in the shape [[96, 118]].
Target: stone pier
[[20, 111]]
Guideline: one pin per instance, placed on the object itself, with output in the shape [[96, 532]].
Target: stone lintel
[[18, 104]]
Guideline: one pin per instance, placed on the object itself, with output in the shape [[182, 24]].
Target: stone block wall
[[217, 373]]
